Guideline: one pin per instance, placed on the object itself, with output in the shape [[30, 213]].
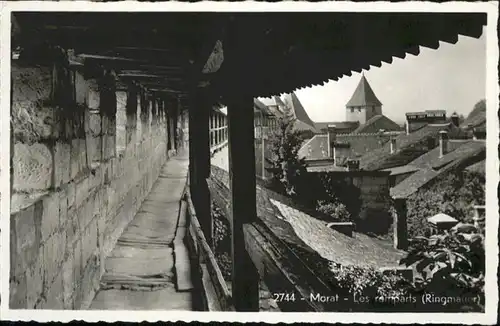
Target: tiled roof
[[307, 229], [432, 156], [409, 147], [432, 165], [359, 250], [315, 148], [260, 106], [292, 101], [374, 124], [325, 168], [402, 169], [359, 145], [363, 95], [349, 125]]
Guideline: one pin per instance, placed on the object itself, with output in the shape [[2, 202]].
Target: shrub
[[336, 210]]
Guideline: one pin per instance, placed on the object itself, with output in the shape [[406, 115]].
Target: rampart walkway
[[142, 272]]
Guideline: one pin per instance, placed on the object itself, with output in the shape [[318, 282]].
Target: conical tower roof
[[298, 110], [363, 95]]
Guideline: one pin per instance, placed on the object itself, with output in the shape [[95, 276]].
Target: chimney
[[407, 125], [352, 165], [455, 119], [400, 224], [343, 227], [393, 145], [443, 143], [332, 137]]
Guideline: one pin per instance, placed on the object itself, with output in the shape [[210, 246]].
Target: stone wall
[[83, 162], [372, 190]]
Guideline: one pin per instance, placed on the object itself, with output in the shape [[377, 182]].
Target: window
[[352, 110]]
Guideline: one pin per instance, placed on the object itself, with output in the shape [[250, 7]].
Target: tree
[[289, 173]]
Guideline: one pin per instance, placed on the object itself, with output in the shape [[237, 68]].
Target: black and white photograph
[[261, 161]]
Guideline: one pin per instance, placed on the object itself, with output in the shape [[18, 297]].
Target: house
[[418, 120], [450, 156], [343, 127], [404, 148]]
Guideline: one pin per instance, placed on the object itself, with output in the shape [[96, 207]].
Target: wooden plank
[[220, 286], [245, 278]]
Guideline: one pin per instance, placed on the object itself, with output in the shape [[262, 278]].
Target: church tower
[[363, 104]]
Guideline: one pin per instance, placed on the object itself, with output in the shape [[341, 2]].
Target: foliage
[[370, 282], [336, 210], [454, 194], [289, 173], [332, 192], [222, 241], [479, 107], [450, 264]]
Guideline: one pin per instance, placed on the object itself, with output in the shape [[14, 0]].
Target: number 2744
[[278, 297]]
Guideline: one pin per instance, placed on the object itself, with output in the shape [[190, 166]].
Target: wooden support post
[[199, 153], [245, 278]]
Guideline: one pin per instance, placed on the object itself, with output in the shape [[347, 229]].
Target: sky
[[452, 77]]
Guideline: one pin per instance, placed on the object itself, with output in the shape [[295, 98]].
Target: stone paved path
[[139, 273]]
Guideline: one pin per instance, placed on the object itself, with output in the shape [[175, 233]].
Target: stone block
[[77, 262], [35, 280], [53, 254], [54, 296], [109, 147], [62, 159], [80, 88], [90, 278], [50, 215], [93, 145], [24, 240], [95, 177], [94, 123], [63, 207], [72, 229], [31, 87], [89, 241], [93, 98], [75, 166], [81, 192], [32, 167], [18, 292], [68, 282], [84, 214]]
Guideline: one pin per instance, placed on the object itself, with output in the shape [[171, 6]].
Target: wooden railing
[[215, 294]]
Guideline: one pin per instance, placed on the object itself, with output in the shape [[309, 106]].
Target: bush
[[336, 210], [222, 242]]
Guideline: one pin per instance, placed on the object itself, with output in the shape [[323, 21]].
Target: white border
[[492, 180]]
